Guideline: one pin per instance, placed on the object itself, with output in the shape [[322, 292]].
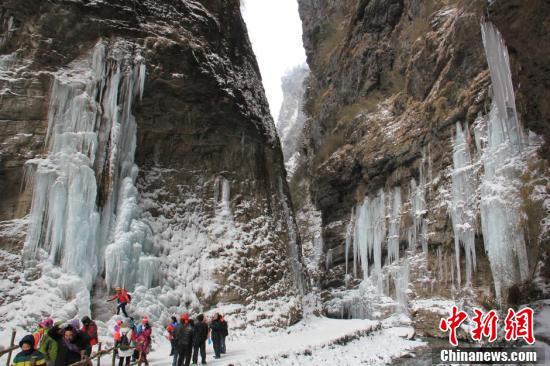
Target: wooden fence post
[[99, 354], [114, 356], [12, 343], [33, 361]]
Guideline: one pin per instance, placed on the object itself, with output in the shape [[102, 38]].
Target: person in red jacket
[[122, 298], [90, 328]]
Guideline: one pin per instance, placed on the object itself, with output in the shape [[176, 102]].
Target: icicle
[[395, 225], [349, 237], [463, 205], [500, 199], [360, 240], [417, 234], [148, 271], [401, 283], [377, 215], [503, 89], [9, 29], [222, 197], [328, 261]]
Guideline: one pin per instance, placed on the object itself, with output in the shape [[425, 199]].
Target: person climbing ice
[[28, 353], [123, 298]]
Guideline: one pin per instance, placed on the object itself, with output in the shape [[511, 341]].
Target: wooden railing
[[86, 361], [12, 347]]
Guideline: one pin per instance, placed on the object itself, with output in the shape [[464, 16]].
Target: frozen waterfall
[[84, 209]]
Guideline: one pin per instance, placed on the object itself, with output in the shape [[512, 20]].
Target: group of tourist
[[65, 343], [188, 338], [58, 344]]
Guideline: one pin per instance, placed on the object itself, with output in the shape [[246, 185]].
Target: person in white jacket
[[125, 340]]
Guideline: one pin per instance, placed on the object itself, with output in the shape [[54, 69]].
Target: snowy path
[[318, 338]]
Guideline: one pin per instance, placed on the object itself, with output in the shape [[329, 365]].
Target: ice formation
[[502, 162], [328, 259], [84, 210], [222, 197], [296, 265], [463, 206], [418, 232], [375, 224], [394, 225], [8, 28]]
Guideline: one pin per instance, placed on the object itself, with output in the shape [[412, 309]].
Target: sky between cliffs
[[275, 30]]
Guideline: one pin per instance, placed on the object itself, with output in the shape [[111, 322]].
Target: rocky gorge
[[407, 172], [396, 159]]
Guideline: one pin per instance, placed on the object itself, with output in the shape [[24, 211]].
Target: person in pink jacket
[[144, 332]]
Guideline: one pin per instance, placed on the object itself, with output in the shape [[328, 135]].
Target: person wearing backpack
[[123, 340], [184, 340], [123, 298]]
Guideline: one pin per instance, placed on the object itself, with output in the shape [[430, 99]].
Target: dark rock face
[[389, 81], [203, 117], [517, 20]]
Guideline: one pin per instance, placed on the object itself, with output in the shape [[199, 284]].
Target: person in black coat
[[216, 333], [71, 344], [224, 334], [184, 340], [200, 335]]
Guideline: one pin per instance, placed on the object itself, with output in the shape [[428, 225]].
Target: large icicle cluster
[[503, 159], [463, 206], [85, 203], [375, 225], [502, 150], [370, 233]]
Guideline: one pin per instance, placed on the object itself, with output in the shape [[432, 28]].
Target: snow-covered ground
[[316, 341]]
